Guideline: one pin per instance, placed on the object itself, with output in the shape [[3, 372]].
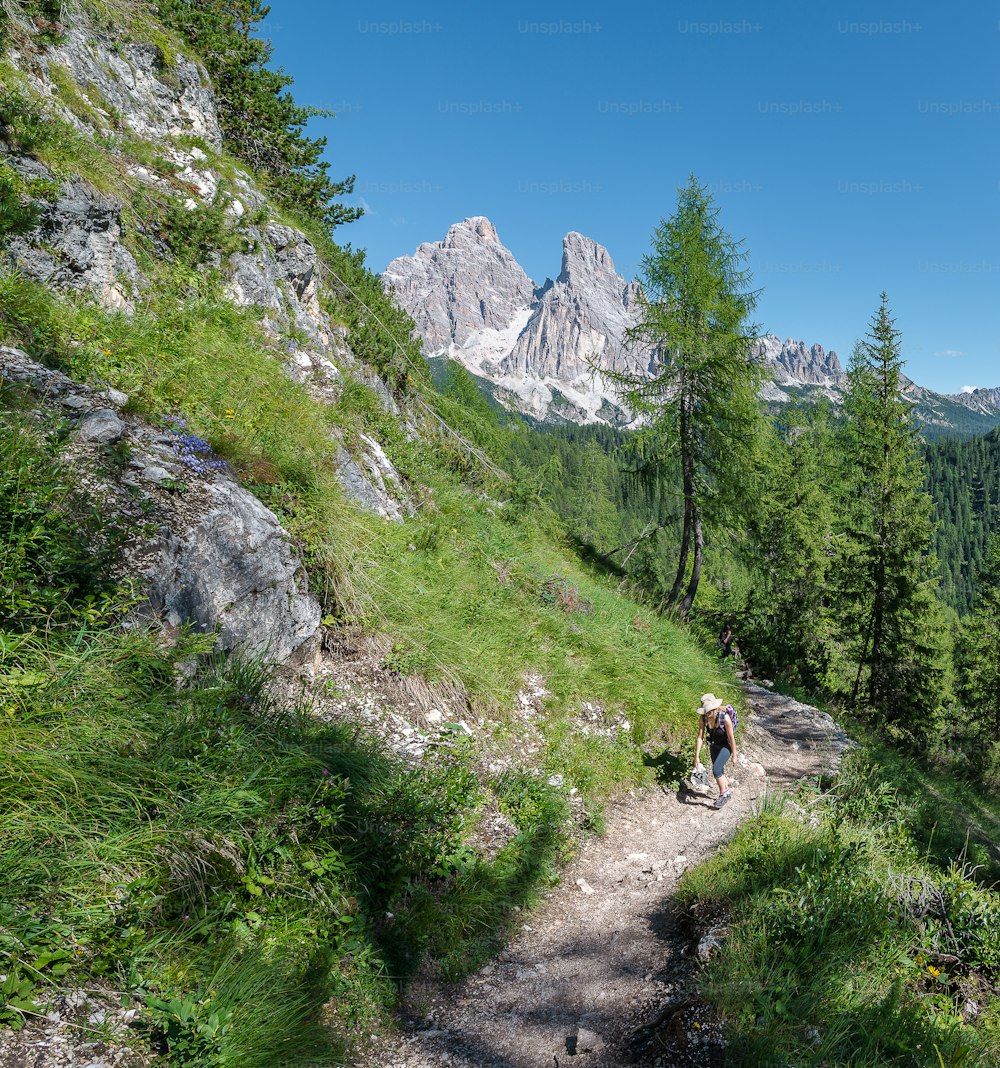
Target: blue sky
[[853, 147]]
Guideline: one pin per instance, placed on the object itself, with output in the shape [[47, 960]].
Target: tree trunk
[[862, 660], [692, 517], [675, 590], [876, 680], [699, 546], [688, 493], [996, 699]]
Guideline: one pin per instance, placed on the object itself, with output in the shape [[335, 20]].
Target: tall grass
[[848, 942], [191, 844], [200, 849]]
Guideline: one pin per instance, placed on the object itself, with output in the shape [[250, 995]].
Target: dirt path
[[601, 955]]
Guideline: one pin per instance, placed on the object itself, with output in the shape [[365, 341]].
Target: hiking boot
[[723, 799]]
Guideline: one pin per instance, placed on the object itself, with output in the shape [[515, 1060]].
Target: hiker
[[718, 721], [726, 641]]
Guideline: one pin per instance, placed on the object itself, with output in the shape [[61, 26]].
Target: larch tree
[[698, 399]]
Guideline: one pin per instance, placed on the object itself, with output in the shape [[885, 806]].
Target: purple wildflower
[[194, 452]]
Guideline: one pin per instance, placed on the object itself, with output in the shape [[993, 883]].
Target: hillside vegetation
[[253, 882], [237, 880], [864, 933]]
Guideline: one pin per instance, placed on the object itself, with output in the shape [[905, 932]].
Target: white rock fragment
[[708, 944]]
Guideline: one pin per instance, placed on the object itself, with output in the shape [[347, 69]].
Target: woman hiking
[[718, 721]]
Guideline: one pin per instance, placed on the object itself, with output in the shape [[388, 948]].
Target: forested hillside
[[963, 476]]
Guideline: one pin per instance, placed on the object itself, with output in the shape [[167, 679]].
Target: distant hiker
[[726, 640], [718, 721]]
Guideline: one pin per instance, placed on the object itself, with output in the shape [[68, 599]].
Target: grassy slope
[[198, 849], [450, 616]]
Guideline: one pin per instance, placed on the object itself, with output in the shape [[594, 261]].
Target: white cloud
[[366, 207], [969, 389], [950, 353]]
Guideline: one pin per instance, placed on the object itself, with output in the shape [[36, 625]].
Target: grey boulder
[[101, 427], [235, 570]]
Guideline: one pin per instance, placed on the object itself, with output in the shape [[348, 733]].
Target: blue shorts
[[720, 758]]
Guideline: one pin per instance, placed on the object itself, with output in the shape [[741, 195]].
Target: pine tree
[[261, 122], [979, 647], [699, 405], [795, 551], [887, 607]]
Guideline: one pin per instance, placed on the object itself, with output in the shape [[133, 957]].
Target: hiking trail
[[602, 955]]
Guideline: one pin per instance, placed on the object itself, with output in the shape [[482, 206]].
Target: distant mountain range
[[540, 349]]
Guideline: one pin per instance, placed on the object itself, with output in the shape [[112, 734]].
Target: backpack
[[734, 716]]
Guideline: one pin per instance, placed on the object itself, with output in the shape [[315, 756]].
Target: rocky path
[[601, 955]]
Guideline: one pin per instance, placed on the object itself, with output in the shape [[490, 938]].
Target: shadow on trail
[[669, 768]]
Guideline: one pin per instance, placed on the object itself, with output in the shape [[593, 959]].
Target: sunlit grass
[[848, 942]]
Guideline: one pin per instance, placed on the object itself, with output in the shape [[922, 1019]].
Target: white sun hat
[[709, 703]]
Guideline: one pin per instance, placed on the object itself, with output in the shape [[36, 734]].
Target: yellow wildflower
[[934, 971], [230, 413]]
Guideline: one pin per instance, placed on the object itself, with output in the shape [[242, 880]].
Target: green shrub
[[55, 548], [261, 122], [16, 216], [845, 945], [197, 233]]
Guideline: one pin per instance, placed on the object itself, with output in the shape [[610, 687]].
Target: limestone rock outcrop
[[155, 98], [231, 568], [209, 554], [167, 102], [77, 244]]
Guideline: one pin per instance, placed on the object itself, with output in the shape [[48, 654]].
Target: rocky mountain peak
[[794, 363], [458, 287], [583, 259], [546, 349], [984, 401], [579, 322], [469, 232]]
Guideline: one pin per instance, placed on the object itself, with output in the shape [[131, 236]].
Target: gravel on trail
[[598, 975]]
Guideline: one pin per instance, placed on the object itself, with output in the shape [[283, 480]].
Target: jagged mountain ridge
[[538, 345], [986, 401], [541, 349]]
